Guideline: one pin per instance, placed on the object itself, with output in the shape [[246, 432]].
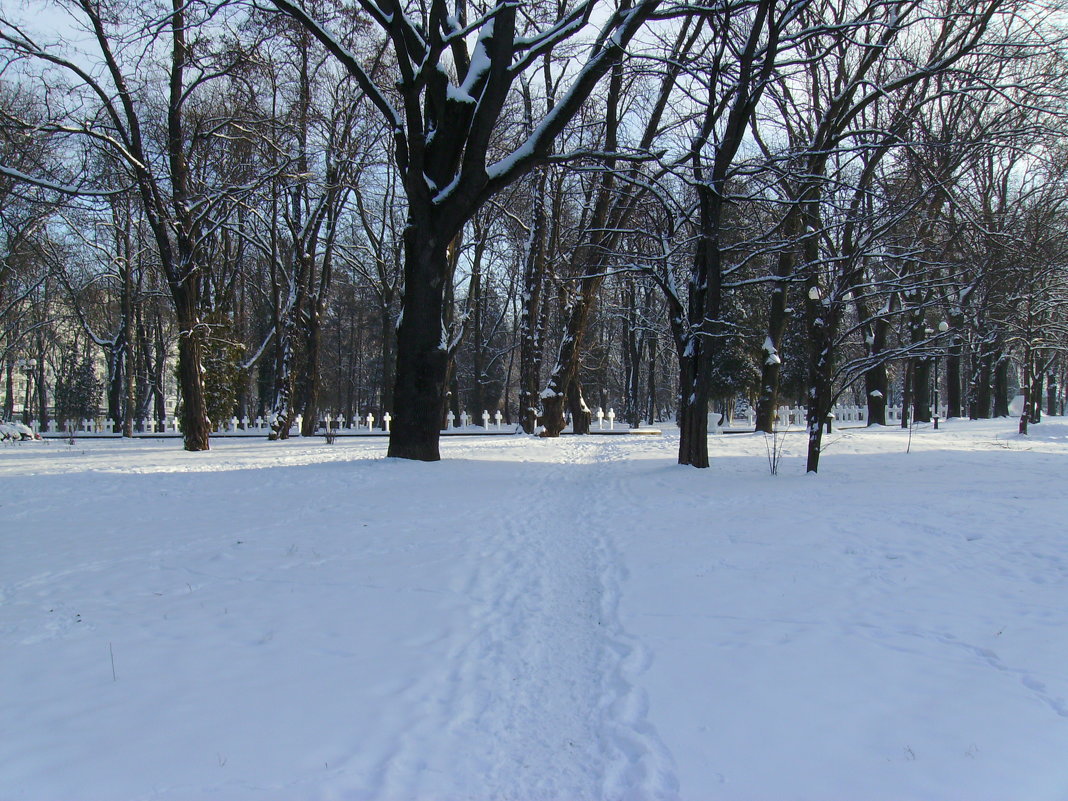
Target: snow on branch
[[346, 56], [71, 190]]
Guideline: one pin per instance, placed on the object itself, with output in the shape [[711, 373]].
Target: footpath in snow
[[537, 620]]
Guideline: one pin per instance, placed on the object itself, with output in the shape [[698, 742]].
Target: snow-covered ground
[[532, 619]]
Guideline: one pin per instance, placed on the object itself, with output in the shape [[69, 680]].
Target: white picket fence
[[794, 416], [260, 426], [788, 417]]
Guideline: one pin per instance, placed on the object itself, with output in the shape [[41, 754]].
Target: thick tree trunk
[[419, 391], [1001, 387], [921, 390], [693, 407], [982, 381], [771, 366], [876, 387], [310, 383], [559, 390], [196, 428], [116, 384], [282, 396], [1051, 394], [581, 416]]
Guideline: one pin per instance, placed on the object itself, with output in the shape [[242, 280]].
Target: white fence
[[368, 425], [258, 427], [795, 415]]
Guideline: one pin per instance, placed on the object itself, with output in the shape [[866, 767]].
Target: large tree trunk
[[282, 395], [982, 382], [1001, 387], [771, 365], [876, 387], [116, 383], [693, 410], [196, 428], [876, 379], [921, 389], [559, 390], [311, 380], [419, 392]]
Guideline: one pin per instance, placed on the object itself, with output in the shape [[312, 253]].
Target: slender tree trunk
[[906, 394], [954, 360], [9, 394], [389, 358], [822, 324], [1035, 396], [651, 414], [532, 315], [1026, 389]]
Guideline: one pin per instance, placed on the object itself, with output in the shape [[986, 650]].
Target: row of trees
[[324, 207]]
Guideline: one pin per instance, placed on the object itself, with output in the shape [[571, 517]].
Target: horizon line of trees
[[340, 208]]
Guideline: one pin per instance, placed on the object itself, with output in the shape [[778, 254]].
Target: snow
[[577, 618]]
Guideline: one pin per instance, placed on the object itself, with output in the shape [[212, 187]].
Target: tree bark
[[1001, 387], [422, 356]]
